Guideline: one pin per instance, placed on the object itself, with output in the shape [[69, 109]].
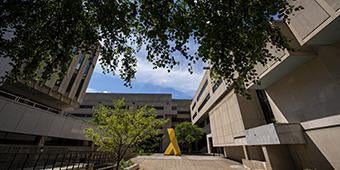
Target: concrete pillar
[[266, 157], [64, 83], [208, 143], [225, 152], [42, 141], [245, 152], [88, 77]]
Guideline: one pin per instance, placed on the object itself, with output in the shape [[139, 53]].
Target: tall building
[[292, 120], [33, 113], [175, 110]]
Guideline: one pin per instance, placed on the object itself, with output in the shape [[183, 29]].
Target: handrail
[[28, 102]]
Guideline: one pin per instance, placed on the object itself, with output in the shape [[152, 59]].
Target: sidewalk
[[186, 162]]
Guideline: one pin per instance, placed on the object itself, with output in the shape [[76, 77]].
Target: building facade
[[175, 110], [34, 113], [292, 120]]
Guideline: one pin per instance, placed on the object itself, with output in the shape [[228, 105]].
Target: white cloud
[[179, 78], [92, 90]]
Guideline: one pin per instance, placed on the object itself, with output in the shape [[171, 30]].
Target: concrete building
[[34, 113], [292, 120], [175, 110]]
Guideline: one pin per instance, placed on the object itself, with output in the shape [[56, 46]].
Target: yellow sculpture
[[173, 148]]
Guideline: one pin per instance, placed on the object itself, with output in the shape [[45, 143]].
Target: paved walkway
[[185, 162]]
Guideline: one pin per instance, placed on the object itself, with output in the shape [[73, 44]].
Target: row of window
[[80, 62], [193, 106], [216, 85], [214, 88], [183, 112], [195, 114], [125, 107], [202, 90], [81, 115], [206, 99], [177, 119]]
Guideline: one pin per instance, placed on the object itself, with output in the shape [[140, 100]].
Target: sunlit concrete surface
[[185, 162]]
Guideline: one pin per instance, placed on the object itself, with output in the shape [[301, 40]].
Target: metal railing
[[63, 159], [28, 102]]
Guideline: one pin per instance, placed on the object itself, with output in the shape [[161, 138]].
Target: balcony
[[275, 134], [317, 23], [23, 117]]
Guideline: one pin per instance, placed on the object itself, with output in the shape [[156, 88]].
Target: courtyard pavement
[[186, 162]]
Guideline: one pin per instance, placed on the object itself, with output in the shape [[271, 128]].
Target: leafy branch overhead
[[231, 35]]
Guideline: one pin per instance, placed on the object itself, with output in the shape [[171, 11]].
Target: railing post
[[37, 160], [62, 161], [89, 161], [47, 159], [69, 159], [84, 160], [75, 161], [23, 164], [10, 164], [55, 160]]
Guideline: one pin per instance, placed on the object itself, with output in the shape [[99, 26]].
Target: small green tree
[[187, 133], [119, 130]]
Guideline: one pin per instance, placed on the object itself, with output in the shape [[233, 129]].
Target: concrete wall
[[20, 118], [255, 153], [279, 157], [235, 153], [311, 93], [64, 96], [317, 23], [251, 110], [226, 121]]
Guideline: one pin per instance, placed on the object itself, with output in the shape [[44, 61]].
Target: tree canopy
[[231, 35], [119, 130], [187, 133]]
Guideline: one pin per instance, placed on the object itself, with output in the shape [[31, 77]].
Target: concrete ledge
[[274, 134], [254, 164], [325, 122]]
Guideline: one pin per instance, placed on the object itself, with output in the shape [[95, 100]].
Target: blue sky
[[179, 82]]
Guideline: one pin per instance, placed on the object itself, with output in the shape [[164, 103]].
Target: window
[[265, 106], [195, 114], [86, 106], [81, 115], [173, 108], [206, 99], [183, 112], [80, 61], [216, 85], [70, 84], [79, 88], [193, 106], [158, 107], [176, 119], [86, 70], [159, 117], [202, 90]]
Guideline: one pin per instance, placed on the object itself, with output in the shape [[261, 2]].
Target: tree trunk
[[119, 159], [190, 147], [117, 167]]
